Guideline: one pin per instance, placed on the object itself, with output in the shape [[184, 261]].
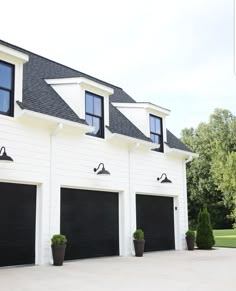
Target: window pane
[[5, 76], [89, 120], [152, 136], [158, 125], [94, 113], [152, 124], [97, 106], [157, 139], [89, 103], [96, 124], [4, 101]]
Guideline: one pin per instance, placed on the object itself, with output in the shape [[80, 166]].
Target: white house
[[58, 124]]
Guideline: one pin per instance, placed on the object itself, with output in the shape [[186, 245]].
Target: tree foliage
[[205, 238], [211, 178]]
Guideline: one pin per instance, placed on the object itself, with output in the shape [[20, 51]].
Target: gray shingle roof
[[38, 96], [124, 126], [174, 142]]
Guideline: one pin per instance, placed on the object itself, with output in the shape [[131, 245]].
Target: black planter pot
[[58, 254], [139, 247], [190, 243]]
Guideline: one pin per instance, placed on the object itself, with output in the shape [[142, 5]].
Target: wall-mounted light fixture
[[4, 157], [103, 171], [165, 180]]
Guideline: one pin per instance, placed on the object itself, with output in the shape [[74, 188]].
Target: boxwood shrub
[[58, 239], [138, 234]]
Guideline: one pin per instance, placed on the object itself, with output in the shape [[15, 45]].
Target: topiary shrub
[[58, 239], [205, 238], [138, 234]]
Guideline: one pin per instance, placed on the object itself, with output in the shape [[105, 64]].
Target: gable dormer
[[87, 98], [11, 78], [149, 118]]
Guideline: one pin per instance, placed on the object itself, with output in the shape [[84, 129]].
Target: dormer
[[87, 98], [149, 118], [11, 78]]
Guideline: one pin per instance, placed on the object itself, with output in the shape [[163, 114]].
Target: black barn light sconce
[[103, 171], [4, 157], [165, 180]]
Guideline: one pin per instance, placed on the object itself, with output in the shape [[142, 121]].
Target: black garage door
[[155, 216], [17, 224], [90, 221]]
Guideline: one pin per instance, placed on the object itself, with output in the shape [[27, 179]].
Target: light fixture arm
[[101, 164], [4, 150], [164, 174]]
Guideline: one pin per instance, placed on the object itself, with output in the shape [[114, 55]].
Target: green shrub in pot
[[58, 248], [139, 242], [190, 239]]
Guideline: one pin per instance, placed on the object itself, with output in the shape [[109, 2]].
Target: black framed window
[[6, 88], [94, 113], [156, 131]]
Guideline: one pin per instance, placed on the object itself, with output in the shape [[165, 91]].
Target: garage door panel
[[89, 219], [155, 216], [17, 224]]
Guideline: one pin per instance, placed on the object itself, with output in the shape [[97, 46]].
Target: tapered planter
[[139, 247], [58, 249], [58, 254], [190, 239], [190, 243]]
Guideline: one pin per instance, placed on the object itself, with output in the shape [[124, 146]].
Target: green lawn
[[225, 238]]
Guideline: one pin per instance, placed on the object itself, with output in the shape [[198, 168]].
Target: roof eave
[[132, 141], [51, 119], [183, 153]]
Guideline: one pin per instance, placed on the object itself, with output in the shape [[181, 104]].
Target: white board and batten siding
[[29, 146], [67, 160]]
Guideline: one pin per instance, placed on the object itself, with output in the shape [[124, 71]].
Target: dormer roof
[[145, 105]]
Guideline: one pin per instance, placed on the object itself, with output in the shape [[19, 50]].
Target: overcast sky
[[178, 54]]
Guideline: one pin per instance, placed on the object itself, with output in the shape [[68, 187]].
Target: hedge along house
[[58, 125]]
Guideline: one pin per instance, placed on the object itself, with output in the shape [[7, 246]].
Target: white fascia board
[[61, 81], [19, 57], [84, 82], [83, 127], [173, 151], [132, 140], [145, 105]]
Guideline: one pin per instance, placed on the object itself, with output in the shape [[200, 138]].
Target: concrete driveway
[[163, 271]]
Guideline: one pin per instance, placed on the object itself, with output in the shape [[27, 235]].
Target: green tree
[[211, 177], [224, 165], [205, 238]]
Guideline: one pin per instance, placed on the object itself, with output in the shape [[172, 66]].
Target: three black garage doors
[[89, 219]]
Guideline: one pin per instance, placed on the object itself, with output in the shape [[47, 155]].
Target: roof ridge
[[55, 62]]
